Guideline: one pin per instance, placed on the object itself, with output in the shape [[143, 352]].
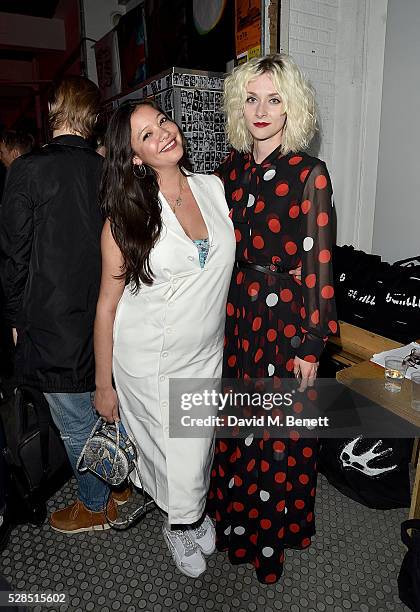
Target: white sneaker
[[185, 552], [205, 536]]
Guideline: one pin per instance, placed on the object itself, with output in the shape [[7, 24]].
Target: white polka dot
[[239, 530], [265, 495], [271, 369], [267, 551], [272, 299], [231, 483], [285, 510], [308, 243], [269, 174], [249, 439], [228, 530], [251, 200]]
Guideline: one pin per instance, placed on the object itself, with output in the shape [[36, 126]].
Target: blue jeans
[[75, 416]]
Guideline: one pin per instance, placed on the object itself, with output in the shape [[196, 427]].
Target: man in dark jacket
[[50, 268]]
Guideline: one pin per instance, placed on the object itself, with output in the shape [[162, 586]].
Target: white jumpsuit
[[175, 329]]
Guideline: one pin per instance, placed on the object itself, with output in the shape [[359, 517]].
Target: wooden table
[[367, 379]]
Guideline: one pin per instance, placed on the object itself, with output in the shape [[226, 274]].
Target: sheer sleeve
[[318, 314]]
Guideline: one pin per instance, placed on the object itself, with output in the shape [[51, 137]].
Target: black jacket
[[50, 263]]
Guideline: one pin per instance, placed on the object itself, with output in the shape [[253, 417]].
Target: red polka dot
[[221, 471], [230, 309], [297, 407], [303, 479], [294, 212], [324, 256], [289, 331], [270, 578], [219, 494], [291, 461], [253, 289], [280, 477], [304, 174], [253, 538], [327, 292], [280, 507], [289, 486], [258, 355], [274, 225], [260, 205], [310, 517], [250, 465], [322, 219], [238, 235], [282, 189], [237, 194], [290, 365], [296, 159], [333, 326], [239, 278], [315, 317], [253, 513], [303, 312], [300, 504], [258, 242], [271, 335], [278, 446], [310, 280], [306, 206], [265, 523], [238, 480], [231, 360], [247, 165], [222, 447], [233, 175], [307, 452], [294, 528], [321, 182], [256, 324], [305, 542], [286, 295], [265, 466], [245, 345], [290, 247], [252, 489], [238, 506], [240, 552]]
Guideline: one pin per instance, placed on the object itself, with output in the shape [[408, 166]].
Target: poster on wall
[[108, 65], [248, 28], [132, 46]]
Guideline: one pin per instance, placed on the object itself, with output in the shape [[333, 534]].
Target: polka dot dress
[[262, 491]]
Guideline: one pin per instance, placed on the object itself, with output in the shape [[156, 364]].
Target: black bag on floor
[[34, 454], [409, 576], [373, 472]]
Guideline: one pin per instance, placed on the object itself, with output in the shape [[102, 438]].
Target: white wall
[[396, 232]]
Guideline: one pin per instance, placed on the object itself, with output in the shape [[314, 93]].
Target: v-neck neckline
[[176, 220]]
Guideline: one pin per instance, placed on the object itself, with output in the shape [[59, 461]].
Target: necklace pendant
[[178, 201]]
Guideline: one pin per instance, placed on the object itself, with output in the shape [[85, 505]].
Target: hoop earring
[[141, 171]]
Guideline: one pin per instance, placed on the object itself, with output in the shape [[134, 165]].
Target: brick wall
[[312, 43]]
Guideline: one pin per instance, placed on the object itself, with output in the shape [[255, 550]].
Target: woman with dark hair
[[262, 492], [167, 255]]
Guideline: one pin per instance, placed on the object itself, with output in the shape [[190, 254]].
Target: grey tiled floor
[[352, 564]]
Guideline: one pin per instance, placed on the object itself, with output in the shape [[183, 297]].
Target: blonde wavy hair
[[296, 93]]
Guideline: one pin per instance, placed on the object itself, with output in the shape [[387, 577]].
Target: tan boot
[[77, 518], [121, 496]]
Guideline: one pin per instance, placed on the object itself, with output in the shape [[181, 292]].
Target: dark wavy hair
[[131, 204]]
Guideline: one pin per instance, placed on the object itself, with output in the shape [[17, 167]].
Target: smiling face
[[264, 110], [155, 140]]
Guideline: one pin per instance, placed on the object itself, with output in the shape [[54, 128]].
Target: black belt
[[273, 269]]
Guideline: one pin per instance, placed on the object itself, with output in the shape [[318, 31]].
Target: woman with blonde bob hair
[[263, 490]]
